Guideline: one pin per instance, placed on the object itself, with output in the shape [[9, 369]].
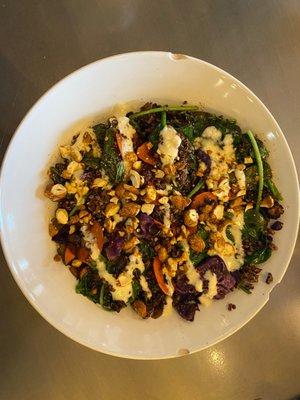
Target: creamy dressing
[[168, 145], [168, 307], [192, 274], [211, 277], [241, 180], [234, 259], [222, 156], [122, 286]]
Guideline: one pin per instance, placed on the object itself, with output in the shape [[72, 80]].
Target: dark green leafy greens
[[110, 160]]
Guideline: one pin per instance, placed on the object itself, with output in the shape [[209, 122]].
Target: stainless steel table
[[258, 41]]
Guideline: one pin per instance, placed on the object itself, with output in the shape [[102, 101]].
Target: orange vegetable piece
[[159, 276], [98, 233], [83, 254], [69, 255], [143, 153], [201, 198]]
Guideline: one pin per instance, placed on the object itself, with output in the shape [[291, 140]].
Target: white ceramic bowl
[[94, 90]]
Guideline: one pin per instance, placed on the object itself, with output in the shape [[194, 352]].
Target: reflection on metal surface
[[216, 358]]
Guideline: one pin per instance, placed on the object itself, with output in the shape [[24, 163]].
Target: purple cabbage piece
[[201, 155], [226, 280], [148, 226], [185, 298], [114, 248]]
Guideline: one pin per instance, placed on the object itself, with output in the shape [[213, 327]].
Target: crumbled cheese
[[127, 132], [241, 180], [168, 145]]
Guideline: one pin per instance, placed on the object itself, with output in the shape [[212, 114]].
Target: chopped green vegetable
[[74, 211], [229, 234], [164, 109], [196, 258], [196, 189], [228, 215], [136, 289], [120, 171], [163, 119], [146, 250], [91, 162], [85, 286], [259, 167], [202, 232], [244, 288], [254, 223], [273, 189], [259, 256], [110, 160]]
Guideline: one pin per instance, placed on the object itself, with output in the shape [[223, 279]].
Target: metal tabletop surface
[[258, 42]]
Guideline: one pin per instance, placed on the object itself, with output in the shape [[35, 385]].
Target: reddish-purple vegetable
[[114, 248]]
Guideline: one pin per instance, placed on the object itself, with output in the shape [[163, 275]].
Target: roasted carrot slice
[[201, 198], [159, 276], [83, 254], [98, 233], [69, 255], [143, 153]]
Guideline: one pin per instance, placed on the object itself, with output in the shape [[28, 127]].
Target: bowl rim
[[56, 324]]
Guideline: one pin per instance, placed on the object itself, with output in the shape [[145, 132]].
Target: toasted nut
[[191, 218], [111, 209], [121, 233], [180, 202], [120, 190], [170, 170], [159, 174], [134, 222], [109, 225], [72, 229], [100, 183], [111, 193], [240, 167], [140, 308], [162, 254], [236, 202], [62, 216], [130, 156], [130, 210], [131, 189], [52, 230], [74, 219], [248, 160], [147, 208], [137, 165], [150, 194], [131, 244], [57, 258], [83, 213], [135, 178], [173, 265], [163, 200], [197, 243], [114, 200], [76, 263], [219, 211], [223, 247], [249, 206], [55, 192], [71, 168], [267, 202]]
